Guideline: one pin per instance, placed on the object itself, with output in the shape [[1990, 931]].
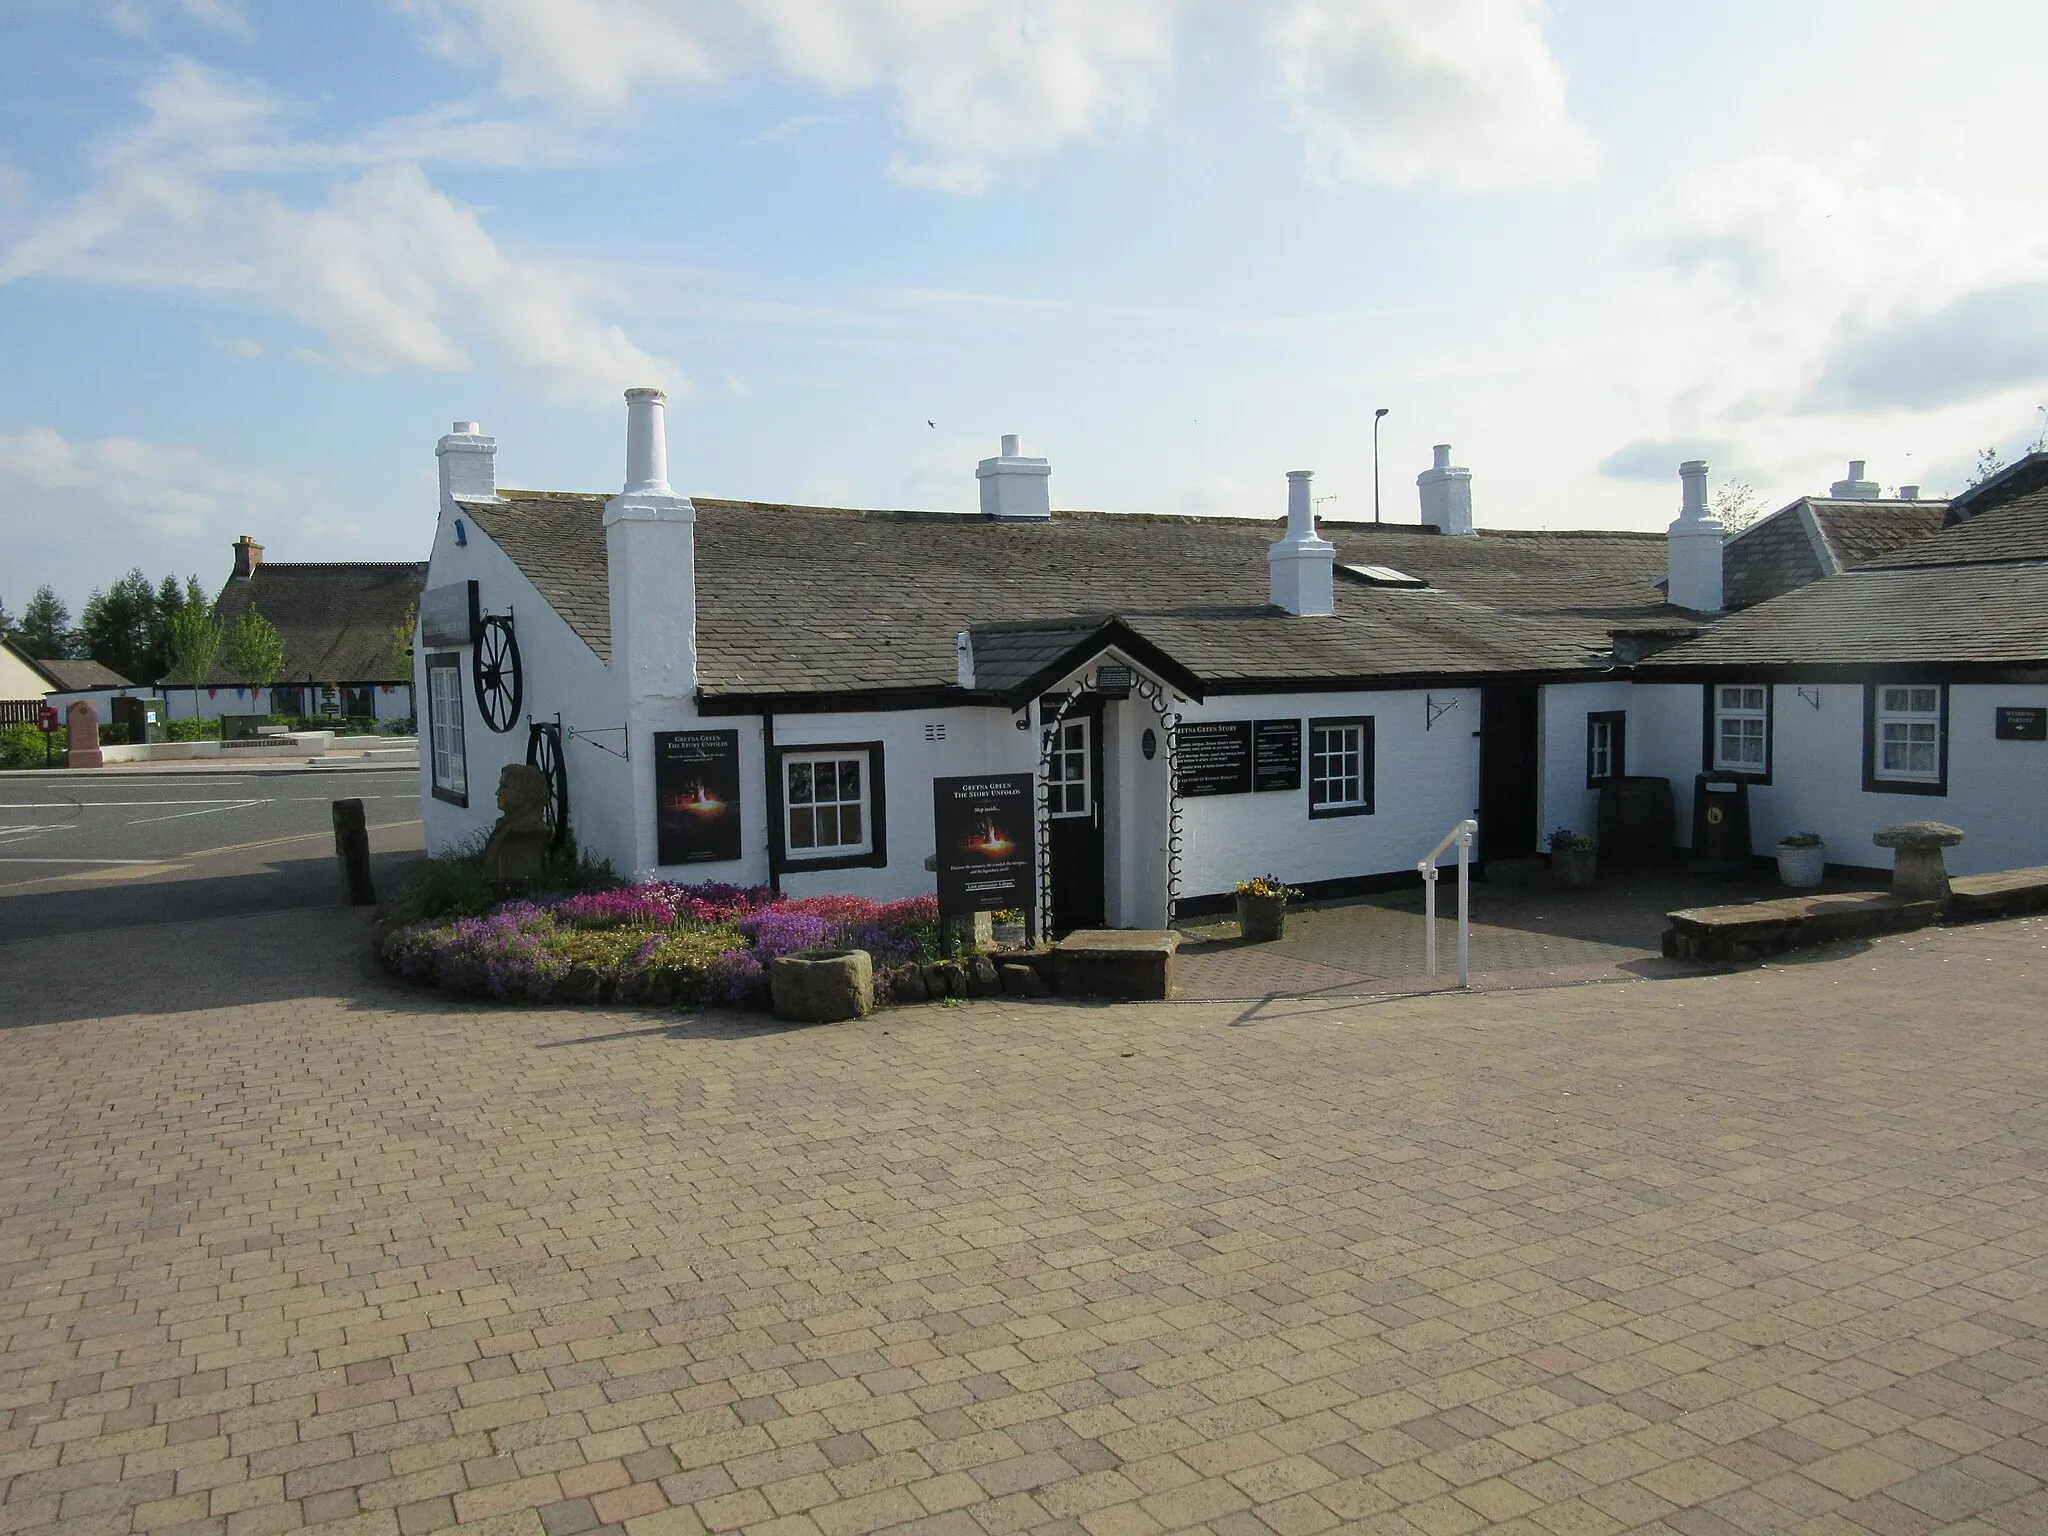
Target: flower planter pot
[[1802, 868], [1573, 868], [1261, 918]]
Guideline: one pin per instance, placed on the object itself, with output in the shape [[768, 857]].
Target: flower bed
[[659, 944]]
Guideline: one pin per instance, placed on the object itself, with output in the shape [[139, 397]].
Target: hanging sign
[[2020, 723], [1276, 754], [985, 829], [1214, 757], [696, 796]]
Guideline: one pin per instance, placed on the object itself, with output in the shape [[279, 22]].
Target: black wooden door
[[1507, 772], [1074, 799]]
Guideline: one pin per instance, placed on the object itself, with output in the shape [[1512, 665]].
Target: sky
[[256, 257]]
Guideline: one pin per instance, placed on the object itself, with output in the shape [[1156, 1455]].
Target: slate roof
[[334, 617], [1973, 594], [1819, 536], [80, 676], [807, 600]]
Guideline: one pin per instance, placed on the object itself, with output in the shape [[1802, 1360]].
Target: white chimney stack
[[469, 464], [1301, 566], [650, 540], [1015, 489], [1855, 488], [1909, 493], [1693, 546], [1446, 494]]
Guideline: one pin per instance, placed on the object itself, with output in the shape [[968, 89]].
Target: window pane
[[828, 826], [1921, 756], [849, 824], [849, 778], [1895, 700], [802, 830], [1924, 701], [825, 781], [800, 785]]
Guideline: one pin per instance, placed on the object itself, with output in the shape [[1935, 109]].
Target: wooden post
[[352, 850]]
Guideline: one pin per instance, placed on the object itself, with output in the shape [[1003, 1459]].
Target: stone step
[[1131, 963], [1753, 929], [2004, 893]]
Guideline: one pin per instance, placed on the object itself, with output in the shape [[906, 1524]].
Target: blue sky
[[255, 257]]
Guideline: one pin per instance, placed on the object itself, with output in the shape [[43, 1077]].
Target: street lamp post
[[1376, 416]]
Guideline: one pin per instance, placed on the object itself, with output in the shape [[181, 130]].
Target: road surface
[[79, 854]]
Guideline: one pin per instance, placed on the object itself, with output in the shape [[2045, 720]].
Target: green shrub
[[22, 746], [192, 730], [454, 885]]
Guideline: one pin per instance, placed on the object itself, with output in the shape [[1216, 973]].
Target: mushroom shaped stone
[[1919, 872]]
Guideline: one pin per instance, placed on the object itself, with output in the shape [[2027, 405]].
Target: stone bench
[[2006, 893], [1135, 963], [1752, 930]]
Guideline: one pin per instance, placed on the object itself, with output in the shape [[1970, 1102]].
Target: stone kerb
[[823, 986], [1919, 872]]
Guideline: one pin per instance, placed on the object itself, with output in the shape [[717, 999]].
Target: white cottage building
[[728, 690]]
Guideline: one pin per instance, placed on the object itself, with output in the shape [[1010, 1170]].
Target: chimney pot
[[646, 442], [1300, 566], [248, 556], [1909, 493], [1692, 546], [1015, 489], [469, 464], [1855, 488], [1446, 494]]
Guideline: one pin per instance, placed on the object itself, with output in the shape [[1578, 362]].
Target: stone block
[[1132, 963], [1919, 872], [823, 986], [1023, 981], [982, 980]]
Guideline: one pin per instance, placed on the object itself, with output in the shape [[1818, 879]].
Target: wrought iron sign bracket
[[623, 751], [1434, 711]]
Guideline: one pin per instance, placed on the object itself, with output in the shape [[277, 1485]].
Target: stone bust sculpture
[[519, 842]]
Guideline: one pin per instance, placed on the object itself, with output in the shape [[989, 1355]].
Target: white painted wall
[[1664, 742], [562, 674], [1563, 800], [1426, 781], [389, 701]]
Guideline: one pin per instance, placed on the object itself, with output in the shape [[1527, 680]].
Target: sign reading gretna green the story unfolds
[[696, 796], [986, 829]]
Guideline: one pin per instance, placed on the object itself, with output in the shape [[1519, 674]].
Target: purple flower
[[736, 976], [630, 906], [783, 933]]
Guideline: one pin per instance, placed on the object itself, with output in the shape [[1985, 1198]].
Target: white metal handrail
[[1464, 835]]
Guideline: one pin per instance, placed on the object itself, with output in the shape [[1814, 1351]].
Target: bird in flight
[[933, 425]]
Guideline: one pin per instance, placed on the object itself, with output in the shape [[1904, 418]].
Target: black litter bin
[[1720, 825]]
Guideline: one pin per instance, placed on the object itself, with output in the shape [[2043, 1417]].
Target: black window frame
[[788, 863], [1368, 766], [1873, 782], [1711, 729], [451, 661], [1616, 721]]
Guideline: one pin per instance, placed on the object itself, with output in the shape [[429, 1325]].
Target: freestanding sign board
[[985, 830], [696, 796]]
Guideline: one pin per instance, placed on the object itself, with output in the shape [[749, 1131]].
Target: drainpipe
[[773, 802]]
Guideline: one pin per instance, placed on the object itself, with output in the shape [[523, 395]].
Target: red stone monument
[[83, 722]]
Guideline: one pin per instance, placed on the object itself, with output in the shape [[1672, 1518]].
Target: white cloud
[[156, 489], [391, 269], [1464, 92], [1401, 91]]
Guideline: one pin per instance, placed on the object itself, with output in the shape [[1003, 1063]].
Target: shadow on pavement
[[106, 905]]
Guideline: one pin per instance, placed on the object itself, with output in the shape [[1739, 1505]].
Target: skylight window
[[1381, 576]]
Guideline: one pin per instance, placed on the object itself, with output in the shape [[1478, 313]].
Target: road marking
[[211, 810], [50, 805], [77, 861], [272, 842], [132, 872]]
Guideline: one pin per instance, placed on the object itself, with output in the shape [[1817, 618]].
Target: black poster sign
[[696, 796], [1276, 754], [985, 828], [1215, 757], [2021, 723]]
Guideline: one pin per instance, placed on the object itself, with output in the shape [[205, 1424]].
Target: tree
[[253, 649], [119, 627], [194, 638], [1736, 505], [45, 628], [6, 623]]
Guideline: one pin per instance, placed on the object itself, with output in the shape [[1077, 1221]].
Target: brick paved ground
[[1755, 1252], [1525, 932]]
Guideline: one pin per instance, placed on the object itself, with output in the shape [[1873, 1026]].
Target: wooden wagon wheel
[[499, 685], [544, 751]]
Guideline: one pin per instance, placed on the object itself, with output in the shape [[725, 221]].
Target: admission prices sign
[[696, 796], [1238, 757], [985, 830]]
